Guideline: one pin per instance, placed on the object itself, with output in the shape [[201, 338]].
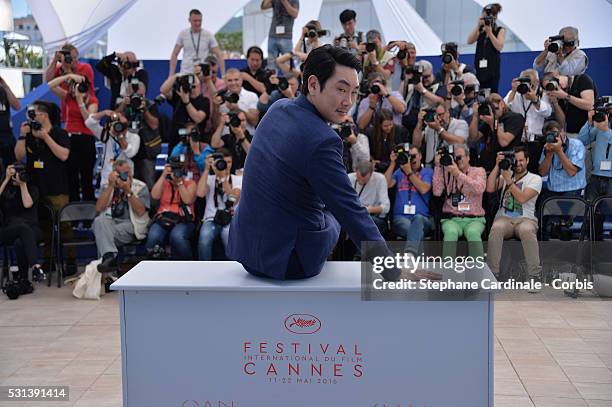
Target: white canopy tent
[[149, 27]]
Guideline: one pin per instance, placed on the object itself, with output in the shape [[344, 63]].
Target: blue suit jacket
[[293, 178]]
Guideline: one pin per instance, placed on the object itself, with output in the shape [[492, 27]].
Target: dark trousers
[[81, 162], [294, 269], [23, 238], [7, 150], [598, 186]]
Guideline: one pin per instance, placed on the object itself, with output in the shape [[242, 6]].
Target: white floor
[[556, 352]]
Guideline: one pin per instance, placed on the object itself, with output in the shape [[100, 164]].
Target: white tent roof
[[13, 36]]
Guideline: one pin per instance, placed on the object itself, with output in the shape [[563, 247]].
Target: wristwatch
[[130, 194]]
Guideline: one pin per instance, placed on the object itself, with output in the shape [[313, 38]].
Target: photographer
[[253, 75], [371, 188], [496, 128], [375, 56], [462, 186], [123, 215], [349, 39], [19, 220], [79, 100], [120, 68], [419, 91], [196, 44], [516, 214], [383, 136], [192, 151], [247, 101], [561, 54], [119, 143], [7, 140], [46, 147], [175, 216], [189, 106], [284, 13], [66, 61], [309, 40], [237, 141], [489, 39], [379, 98], [571, 98], [210, 84], [562, 161], [222, 192], [529, 100], [405, 55], [411, 217], [461, 102], [597, 130], [451, 69], [290, 90], [435, 128]]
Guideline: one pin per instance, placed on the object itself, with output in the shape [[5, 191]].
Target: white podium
[[207, 334]]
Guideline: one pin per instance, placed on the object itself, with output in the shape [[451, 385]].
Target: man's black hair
[[256, 50], [552, 125], [195, 11], [52, 110], [347, 15], [321, 62]]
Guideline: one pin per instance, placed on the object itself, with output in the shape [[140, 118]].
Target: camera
[[82, 87], [402, 153], [524, 85], [603, 105], [370, 46], [67, 56], [184, 82], [457, 88], [560, 228], [446, 155], [551, 137], [344, 130], [159, 99], [223, 217], [20, 169], [205, 69], [313, 32], [509, 160], [195, 135], [416, 71], [118, 126], [219, 161], [556, 42], [234, 120], [16, 288], [343, 41], [375, 89], [136, 101], [228, 96], [485, 109], [177, 164], [482, 95], [449, 52], [430, 115], [552, 84], [32, 122], [283, 83], [488, 20]]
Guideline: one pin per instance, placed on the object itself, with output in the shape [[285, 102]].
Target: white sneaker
[[533, 289]]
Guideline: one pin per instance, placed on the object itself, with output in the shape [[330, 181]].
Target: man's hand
[[559, 94], [113, 176], [602, 126], [124, 185], [453, 169], [393, 157], [515, 84], [373, 100], [531, 95], [352, 139], [238, 132], [435, 125], [507, 175], [209, 164], [195, 146], [420, 88], [41, 134], [183, 95], [24, 129], [498, 158], [10, 172], [488, 119]]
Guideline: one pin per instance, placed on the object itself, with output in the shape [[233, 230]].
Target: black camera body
[[118, 126], [205, 69], [15, 288], [416, 71], [488, 20], [219, 161], [402, 54], [177, 164], [446, 155], [524, 85], [344, 130], [22, 171], [430, 115], [67, 56], [603, 108], [227, 96], [35, 125], [136, 101], [370, 46], [343, 40], [194, 134], [234, 120], [556, 42], [375, 89], [509, 160], [551, 137], [313, 32], [402, 151], [457, 88], [449, 52], [485, 109], [184, 82], [83, 87]]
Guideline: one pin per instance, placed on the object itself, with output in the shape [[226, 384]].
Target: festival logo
[[302, 324]]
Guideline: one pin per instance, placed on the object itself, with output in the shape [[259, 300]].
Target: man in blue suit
[[295, 188]]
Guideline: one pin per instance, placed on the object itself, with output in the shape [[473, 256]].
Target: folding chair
[[574, 208], [602, 211], [73, 212]]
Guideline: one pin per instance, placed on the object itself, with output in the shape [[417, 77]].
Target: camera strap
[[362, 188], [197, 49], [219, 193]]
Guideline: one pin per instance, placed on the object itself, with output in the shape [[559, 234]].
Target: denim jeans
[[413, 230], [208, 233], [276, 47], [179, 239]]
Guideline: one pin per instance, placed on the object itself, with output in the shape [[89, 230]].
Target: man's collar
[[303, 101]]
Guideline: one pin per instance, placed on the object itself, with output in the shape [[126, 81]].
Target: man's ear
[[313, 85]]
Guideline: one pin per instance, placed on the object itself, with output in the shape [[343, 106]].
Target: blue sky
[[20, 8]]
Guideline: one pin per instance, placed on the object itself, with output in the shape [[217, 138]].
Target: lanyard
[[362, 188], [197, 49]]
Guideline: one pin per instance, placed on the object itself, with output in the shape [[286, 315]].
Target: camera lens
[[220, 164], [447, 58], [402, 54], [375, 89], [553, 47], [522, 88], [456, 90]]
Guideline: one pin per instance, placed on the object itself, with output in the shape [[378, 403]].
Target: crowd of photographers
[[423, 149]]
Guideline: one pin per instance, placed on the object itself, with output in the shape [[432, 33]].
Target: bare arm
[[292, 11], [215, 140], [520, 195], [202, 188], [26, 198], [173, 58], [188, 194], [220, 58], [266, 4], [105, 198], [473, 37], [13, 101], [252, 116], [498, 42], [166, 87]]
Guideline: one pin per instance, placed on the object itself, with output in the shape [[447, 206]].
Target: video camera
[[603, 108], [509, 160], [227, 96], [184, 82], [403, 155], [344, 130], [416, 71], [524, 85], [446, 155], [449, 52], [457, 88]]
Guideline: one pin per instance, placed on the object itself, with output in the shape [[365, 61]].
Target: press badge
[[280, 29], [189, 175], [409, 209], [483, 63], [463, 206], [605, 165], [39, 165]]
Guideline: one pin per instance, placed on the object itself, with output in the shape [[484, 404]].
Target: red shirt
[[172, 203], [75, 123]]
